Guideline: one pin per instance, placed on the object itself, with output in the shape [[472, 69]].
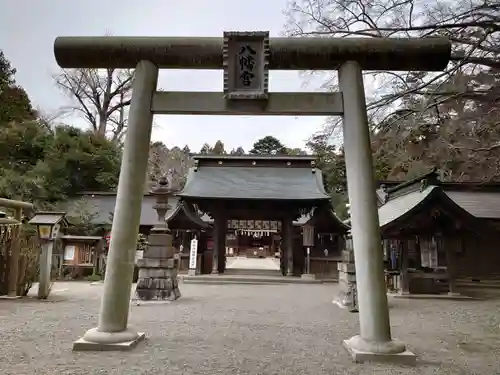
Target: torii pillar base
[[105, 342], [393, 352]]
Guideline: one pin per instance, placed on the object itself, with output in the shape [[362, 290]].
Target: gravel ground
[[244, 329]]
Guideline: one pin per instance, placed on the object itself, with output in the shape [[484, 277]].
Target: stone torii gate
[[246, 58]]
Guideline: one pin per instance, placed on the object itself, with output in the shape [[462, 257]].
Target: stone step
[[252, 272], [478, 285], [241, 279]]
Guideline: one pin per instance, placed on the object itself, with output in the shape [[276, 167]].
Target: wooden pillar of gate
[[219, 243], [450, 241], [287, 233]]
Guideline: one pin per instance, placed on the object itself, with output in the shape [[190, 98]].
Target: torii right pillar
[[374, 343]]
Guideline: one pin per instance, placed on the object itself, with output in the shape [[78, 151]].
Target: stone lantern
[[162, 191], [157, 268]]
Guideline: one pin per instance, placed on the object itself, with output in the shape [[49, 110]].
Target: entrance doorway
[[253, 247]]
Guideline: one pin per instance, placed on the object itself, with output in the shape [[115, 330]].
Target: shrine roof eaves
[[400, 209], [270, 183], [255, 157], [403, 205], [190, 213]]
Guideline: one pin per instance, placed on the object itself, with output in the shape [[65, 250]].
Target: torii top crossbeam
[[424, 54]]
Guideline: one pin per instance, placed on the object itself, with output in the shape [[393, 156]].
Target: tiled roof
[[103, 204], [402, 206], [397, 207], [485, 205], [479, 199], [255, 183], [187, 209]]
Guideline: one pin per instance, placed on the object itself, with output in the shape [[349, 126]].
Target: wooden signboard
[[308, 236], [246, 60]]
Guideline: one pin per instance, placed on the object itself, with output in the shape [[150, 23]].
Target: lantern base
[[157, 280]]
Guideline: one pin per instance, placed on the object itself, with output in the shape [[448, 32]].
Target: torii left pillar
[[112, 332]]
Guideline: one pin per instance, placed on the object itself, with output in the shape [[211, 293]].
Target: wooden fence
[[28, 260]]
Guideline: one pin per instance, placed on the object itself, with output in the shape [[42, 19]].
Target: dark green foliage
[[43, 164], [39, 165], [15, 105], [238, 151], [14, 102], [7, 72], [332, 164], [268, 145], [82, 161], [218, 148]]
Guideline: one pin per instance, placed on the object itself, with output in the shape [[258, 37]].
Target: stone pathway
[[246, 330], [253, 263]]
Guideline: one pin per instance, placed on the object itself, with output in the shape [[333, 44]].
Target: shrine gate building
[[255, 201]]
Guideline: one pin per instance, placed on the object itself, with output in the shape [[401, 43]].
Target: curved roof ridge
[[331, 212], [319, 180], [172, 213], [414, 201], [192, 215], [250, 182]]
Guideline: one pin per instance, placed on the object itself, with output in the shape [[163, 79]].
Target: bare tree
[[418, 118], [100, 96], [472, 25], [163, 160]]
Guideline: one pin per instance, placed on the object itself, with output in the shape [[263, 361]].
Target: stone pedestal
[[158, 269], [347, 296]]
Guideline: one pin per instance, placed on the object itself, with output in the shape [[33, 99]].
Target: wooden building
[[260, 238], [186, 223], [435, 233], [257, 199], [101, 206], [254, 195], [329, 241], [81, 255]]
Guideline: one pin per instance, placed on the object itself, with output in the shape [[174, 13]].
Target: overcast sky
[[27, 32]]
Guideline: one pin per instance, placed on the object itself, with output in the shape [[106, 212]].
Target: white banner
[[256, 232], [193, 254]]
